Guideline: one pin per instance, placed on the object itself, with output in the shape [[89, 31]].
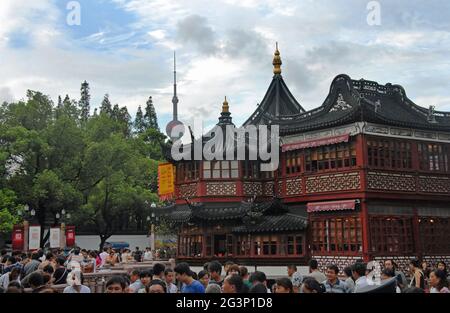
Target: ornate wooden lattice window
[[187, 171], [434, 157], [265, 245], [208, 245], [293, 245], [293, 162], [330, 158], [243, 245], [434, 235], [390, 154], [220, 169], [391, 235], [336, 235], [191, 246]]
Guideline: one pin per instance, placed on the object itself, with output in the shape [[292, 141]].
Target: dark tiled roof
[[274, 223], [364, 101], [219, 211]]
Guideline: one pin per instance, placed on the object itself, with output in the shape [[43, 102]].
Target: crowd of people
[[39, 271]]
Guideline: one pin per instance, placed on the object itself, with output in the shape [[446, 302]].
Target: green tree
[[139, 123], [84, 102], [106, 107], [150, 118]]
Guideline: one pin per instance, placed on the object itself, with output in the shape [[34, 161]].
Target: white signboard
[[34, 241], [55, 237]]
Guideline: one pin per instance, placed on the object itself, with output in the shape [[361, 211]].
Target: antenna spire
[[175, 97]]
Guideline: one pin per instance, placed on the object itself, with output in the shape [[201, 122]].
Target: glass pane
[[207, 174], [225, 164], [206, 165], [234, 173], [234, 164], [225, 174], [216, 174]]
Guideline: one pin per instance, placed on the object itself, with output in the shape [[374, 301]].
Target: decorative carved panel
[[333, 182], [434, 184], [187, 190], [253, 188], [268, 188], [293, 186], [391, 181], [221, 189]]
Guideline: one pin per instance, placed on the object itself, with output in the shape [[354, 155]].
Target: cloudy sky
[[224, 47]]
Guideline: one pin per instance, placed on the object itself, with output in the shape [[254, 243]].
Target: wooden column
[[365, 231], [26, 230], [416, 236]]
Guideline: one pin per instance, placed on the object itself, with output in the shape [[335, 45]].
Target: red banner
[[331, 206], [70, 236], [18, 238], [315, 143]]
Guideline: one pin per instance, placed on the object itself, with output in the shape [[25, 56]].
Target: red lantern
[[70, 236], [17, 238]]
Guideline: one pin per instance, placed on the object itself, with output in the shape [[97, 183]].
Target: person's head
[[313, 265], [156, 286], [60, 261], [4, 252], [213, 288], [10, 260], [146, 277], [258, 288], [310, 285], [414, 264], [284, 285], [387, 273], [14, 274], [117, 284], [48, 269], [232, 284], [359, 270], [215, 269], [169, 275], [49, 256], [291, 269], [14, 287], [227, 265], [105, 249], [424, 265], [244, 272], [332, 272], [389, 264], [183, 272], [205, 266], [348, 271], [135, 275], [137, 248], [36, 280], [234, 270], [158, 270], [203, 277], [442, 266], [258, 277], [438, 279], [76, 251]]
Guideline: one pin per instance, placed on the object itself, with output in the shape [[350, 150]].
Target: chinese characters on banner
[[55, 237], [34, 241], [166, 181]]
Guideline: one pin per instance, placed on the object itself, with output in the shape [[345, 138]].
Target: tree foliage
[[60, 157]]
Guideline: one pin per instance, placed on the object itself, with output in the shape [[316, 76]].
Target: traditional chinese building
[[364, 175]]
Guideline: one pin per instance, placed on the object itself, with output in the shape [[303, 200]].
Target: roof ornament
[[225, 106], [341, 104], [277, 61], [431, 115]]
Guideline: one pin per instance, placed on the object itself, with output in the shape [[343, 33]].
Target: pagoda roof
[[277, 223], [357, 100]]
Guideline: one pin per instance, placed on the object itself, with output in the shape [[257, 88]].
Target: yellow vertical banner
[[166, 180]]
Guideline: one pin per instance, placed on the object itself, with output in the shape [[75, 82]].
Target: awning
[[315, 143], [331, 206]]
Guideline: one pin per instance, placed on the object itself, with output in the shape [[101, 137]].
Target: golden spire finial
[[277, 61], [225, 106]]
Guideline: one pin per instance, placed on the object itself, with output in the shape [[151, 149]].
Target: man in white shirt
[[103, 256], [148, 255], [359, 275]]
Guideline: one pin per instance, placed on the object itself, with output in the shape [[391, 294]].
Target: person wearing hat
[[184, 275], [75, 284]]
